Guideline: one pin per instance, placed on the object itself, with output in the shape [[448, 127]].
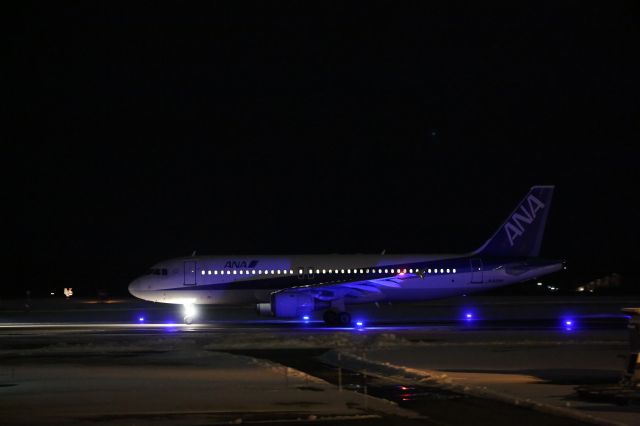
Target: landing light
[[190, 310]]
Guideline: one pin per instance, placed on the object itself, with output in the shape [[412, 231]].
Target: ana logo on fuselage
[[240, 264], [525, 215]]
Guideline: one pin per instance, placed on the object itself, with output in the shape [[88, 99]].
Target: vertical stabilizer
[[521, 234]]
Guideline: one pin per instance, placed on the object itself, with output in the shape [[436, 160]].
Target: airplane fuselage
[[252, 279]]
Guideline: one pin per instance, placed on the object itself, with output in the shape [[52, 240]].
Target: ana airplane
[[297, 285]]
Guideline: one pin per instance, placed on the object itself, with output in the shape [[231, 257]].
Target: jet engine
[[290, 304]]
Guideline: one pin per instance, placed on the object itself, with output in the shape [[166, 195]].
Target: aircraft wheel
[[331, 317], [344, 318], [188, 320]]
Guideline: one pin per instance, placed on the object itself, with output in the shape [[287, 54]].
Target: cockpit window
[[157, 271]]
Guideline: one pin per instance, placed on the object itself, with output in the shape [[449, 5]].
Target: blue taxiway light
[[141, 319], [305, 318], [568, 324], [359, 323]]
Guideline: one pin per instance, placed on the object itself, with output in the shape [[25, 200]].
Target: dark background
[[144, 133]]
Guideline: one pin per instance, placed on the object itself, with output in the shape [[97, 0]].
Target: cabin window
[[454, 270]]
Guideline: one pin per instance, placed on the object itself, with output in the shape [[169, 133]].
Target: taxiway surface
[[127, 361]]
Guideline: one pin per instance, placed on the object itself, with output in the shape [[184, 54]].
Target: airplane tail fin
[[521, 234]]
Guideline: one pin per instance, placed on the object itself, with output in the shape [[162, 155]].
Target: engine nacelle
[[291, 304], [264, 309]]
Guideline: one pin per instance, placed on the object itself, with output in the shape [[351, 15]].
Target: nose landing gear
[[333, 317]]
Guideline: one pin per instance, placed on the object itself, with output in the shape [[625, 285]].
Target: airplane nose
[[134, 287]]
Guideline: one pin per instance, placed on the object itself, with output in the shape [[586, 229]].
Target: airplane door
[[476, 270], [190, 272]]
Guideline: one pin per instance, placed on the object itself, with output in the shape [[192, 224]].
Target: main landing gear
[[333, 317]]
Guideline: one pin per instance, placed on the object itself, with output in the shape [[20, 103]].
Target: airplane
[[294, 286]]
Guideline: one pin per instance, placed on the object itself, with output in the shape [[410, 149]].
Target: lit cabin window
[[342, 271], [331, 271], [300, 271], [291, 271], [272, 272], [259, 271], [448, 270], [441, 271], [235, 272], [429, 270], [284, 271], [435, 271], [203, 272], [253, 272], [324, 271], [411, 271], [361, 271], [386, 271], [317, 271], [393, 271], [348, 271], [241, 272], [367, 271], [278, 271], [209, 272], [454, 270]]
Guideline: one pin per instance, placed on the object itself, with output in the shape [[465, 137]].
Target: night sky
[[145, 133]]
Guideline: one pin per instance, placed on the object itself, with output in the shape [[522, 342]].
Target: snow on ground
[[542, 375], [80, 383]]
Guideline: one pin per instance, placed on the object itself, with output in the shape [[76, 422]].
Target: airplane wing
[[352, 291]]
